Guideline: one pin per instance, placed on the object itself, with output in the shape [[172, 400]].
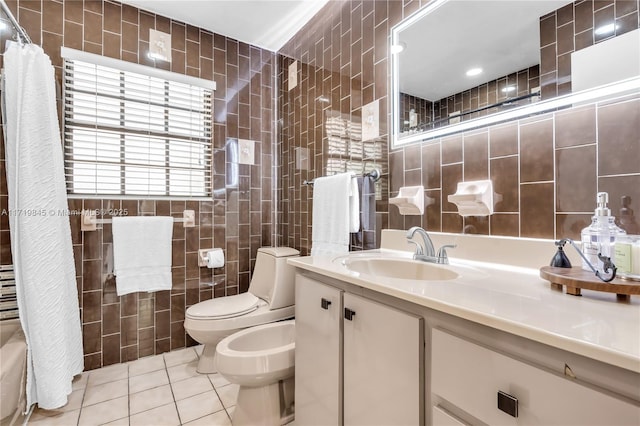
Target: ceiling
[[264, 23], [501, 37]]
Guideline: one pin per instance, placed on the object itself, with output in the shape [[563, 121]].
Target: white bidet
[[261, 360]]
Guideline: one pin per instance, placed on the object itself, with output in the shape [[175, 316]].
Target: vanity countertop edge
[[515, 300]]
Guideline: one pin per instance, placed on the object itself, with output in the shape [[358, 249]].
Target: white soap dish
[[410, 200], [473, 198]]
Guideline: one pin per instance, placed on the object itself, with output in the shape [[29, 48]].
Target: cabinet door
[[318, 393], [470, 376], [383, 365]]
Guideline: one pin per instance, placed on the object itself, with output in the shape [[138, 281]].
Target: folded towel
[[354, 205], [142, 253], [367, 203], [330, 231]]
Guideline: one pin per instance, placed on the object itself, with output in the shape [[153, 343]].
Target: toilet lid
[[224, 307]]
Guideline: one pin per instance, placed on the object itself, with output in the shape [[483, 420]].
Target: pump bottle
[[600, 236]]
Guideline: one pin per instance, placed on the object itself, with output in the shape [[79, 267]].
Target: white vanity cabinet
[[318, 394], [383, 364], [358, 362], [466, 378]]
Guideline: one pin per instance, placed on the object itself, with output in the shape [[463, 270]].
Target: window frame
[[121, 131]]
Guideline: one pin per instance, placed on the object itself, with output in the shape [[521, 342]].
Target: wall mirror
[[461, 64]]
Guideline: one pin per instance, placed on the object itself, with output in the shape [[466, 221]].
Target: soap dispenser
[[600, 236]]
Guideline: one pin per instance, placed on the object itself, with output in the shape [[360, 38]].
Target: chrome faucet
[[426, 252], [427, 249]]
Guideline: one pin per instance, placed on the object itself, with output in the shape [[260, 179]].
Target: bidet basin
[[402, 269]]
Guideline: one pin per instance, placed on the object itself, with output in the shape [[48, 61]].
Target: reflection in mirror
[[495, 60]]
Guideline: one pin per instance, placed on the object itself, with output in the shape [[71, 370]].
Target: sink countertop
[[511, 299]]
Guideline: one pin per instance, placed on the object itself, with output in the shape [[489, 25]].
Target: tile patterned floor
[[154, 391]]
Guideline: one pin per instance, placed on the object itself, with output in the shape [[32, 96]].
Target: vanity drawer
[[471, 377], [441, 417]]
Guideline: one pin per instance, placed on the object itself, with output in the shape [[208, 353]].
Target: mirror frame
[[586, 96]]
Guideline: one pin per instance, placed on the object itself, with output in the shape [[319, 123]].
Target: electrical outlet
[[413, 118], [302, 158], [370, 121], [246, 150], [293, 75], [159, 45]]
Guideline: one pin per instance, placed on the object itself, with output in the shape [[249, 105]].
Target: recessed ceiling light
[[509, 89], [473, 72], [605, 29]]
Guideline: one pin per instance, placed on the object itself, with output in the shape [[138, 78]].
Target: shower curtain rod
[[375, 174], [22, 35]]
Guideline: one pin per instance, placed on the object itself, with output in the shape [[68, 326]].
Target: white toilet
[[270, 298], [261, 360]]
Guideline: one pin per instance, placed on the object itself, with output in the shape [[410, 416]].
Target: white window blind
[[131, 134]]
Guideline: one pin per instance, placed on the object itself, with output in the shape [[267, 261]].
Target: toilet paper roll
[[215, 258]]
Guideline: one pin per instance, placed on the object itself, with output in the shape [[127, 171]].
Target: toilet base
[[270, 405], [207, 363]]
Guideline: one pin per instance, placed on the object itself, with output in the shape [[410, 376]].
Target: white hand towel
[[330, 231], [142, 253], [354, 206]]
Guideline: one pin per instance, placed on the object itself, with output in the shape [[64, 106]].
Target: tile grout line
[[128, 396], [84, 392], [173, 395], [218, 395]]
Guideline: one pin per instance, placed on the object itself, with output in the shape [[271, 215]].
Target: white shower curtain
[[40, 232]]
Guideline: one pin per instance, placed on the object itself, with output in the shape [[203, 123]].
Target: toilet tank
[[273, 279]]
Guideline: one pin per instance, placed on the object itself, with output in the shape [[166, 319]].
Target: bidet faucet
[[426, 252]]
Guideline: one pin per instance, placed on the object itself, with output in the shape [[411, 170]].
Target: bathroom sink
[[403, 269]]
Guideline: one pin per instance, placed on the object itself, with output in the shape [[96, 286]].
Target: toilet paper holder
[[203, 257]]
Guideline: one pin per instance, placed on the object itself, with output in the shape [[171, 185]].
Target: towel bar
[[89, 220], [375, 174]]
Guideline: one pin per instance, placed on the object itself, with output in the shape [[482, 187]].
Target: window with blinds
[[127, 133]]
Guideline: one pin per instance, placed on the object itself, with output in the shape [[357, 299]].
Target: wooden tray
[[576, 279]]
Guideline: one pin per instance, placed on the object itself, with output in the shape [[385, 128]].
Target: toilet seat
[[261, 315], [224, 307]]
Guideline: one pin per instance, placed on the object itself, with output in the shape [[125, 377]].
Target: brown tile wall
[[422, 107], [342, 57], [547, 168], [478, 97], [571, 28], [239, 219], [490, 93]]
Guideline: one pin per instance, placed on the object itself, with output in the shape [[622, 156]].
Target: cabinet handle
[[324, 303], [508, 404], [349, 314]]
